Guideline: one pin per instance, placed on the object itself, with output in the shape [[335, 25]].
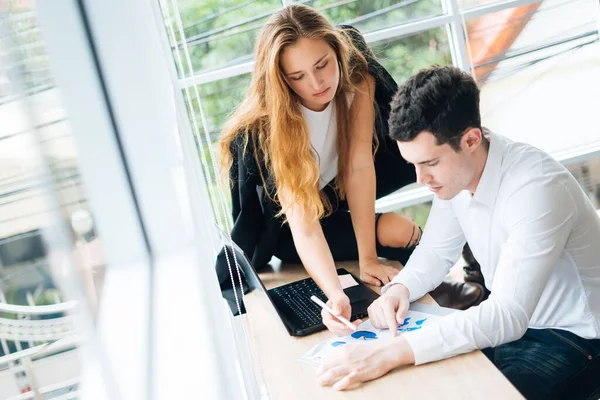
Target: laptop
[[300, 315]]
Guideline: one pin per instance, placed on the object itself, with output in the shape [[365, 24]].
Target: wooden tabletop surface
[[276, 353]]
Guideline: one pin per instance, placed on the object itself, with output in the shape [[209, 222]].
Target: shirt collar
[[488, 186]]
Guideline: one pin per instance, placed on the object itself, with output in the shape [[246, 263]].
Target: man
[[528, 223]]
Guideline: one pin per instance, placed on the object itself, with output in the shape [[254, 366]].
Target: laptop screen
[[238, 259]]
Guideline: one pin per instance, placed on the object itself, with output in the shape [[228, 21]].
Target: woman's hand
[[375, 273], [340, 304]]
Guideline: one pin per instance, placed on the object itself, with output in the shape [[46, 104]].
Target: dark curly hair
[[440, 100]]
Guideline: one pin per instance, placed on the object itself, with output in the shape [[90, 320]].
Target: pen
[[330, 311]]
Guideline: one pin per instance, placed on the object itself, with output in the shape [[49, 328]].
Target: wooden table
[[469, 376]]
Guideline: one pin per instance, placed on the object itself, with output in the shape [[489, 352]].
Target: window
[[219, 34], [514, 58], [404, 56], [539, 85], [474, 3], [368, 16], [219, 99]]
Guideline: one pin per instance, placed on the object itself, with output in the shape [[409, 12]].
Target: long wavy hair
[[270, 117]]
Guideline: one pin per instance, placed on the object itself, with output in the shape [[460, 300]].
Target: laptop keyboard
[[297, 297]]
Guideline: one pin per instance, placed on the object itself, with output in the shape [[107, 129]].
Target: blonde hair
[[270, 117]]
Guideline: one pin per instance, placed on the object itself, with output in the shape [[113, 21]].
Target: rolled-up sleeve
[[439, 248]]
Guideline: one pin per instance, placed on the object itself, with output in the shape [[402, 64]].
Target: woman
[[309, 143]]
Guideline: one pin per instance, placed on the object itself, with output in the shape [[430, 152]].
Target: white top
[[322, 126], [537, 238]]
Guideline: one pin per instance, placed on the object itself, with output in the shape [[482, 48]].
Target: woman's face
[[310, 67]]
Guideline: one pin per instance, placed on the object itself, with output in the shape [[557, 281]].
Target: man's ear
[[472, 139]]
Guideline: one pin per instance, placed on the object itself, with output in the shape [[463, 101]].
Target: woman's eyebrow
[[318, 61]]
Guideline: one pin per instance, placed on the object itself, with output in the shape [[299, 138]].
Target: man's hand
[[352, 364], [389, 310], [375, 273], [340, 304]]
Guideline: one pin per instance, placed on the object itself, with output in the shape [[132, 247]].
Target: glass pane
[[474, 3], [368, 16], [404, 56], [219, 99], [219, 33], [44, 218], [418, 213], [539, 84]]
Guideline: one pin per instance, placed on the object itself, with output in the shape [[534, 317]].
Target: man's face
[[310, 68], [446, 171]]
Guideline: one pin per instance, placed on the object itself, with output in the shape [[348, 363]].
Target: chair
[[41, 359]]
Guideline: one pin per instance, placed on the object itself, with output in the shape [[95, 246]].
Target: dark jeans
[[550, 364]]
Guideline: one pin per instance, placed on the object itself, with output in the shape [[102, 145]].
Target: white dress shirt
[[537, 237]]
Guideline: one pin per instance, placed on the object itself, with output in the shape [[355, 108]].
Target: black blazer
[[255, 227]]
